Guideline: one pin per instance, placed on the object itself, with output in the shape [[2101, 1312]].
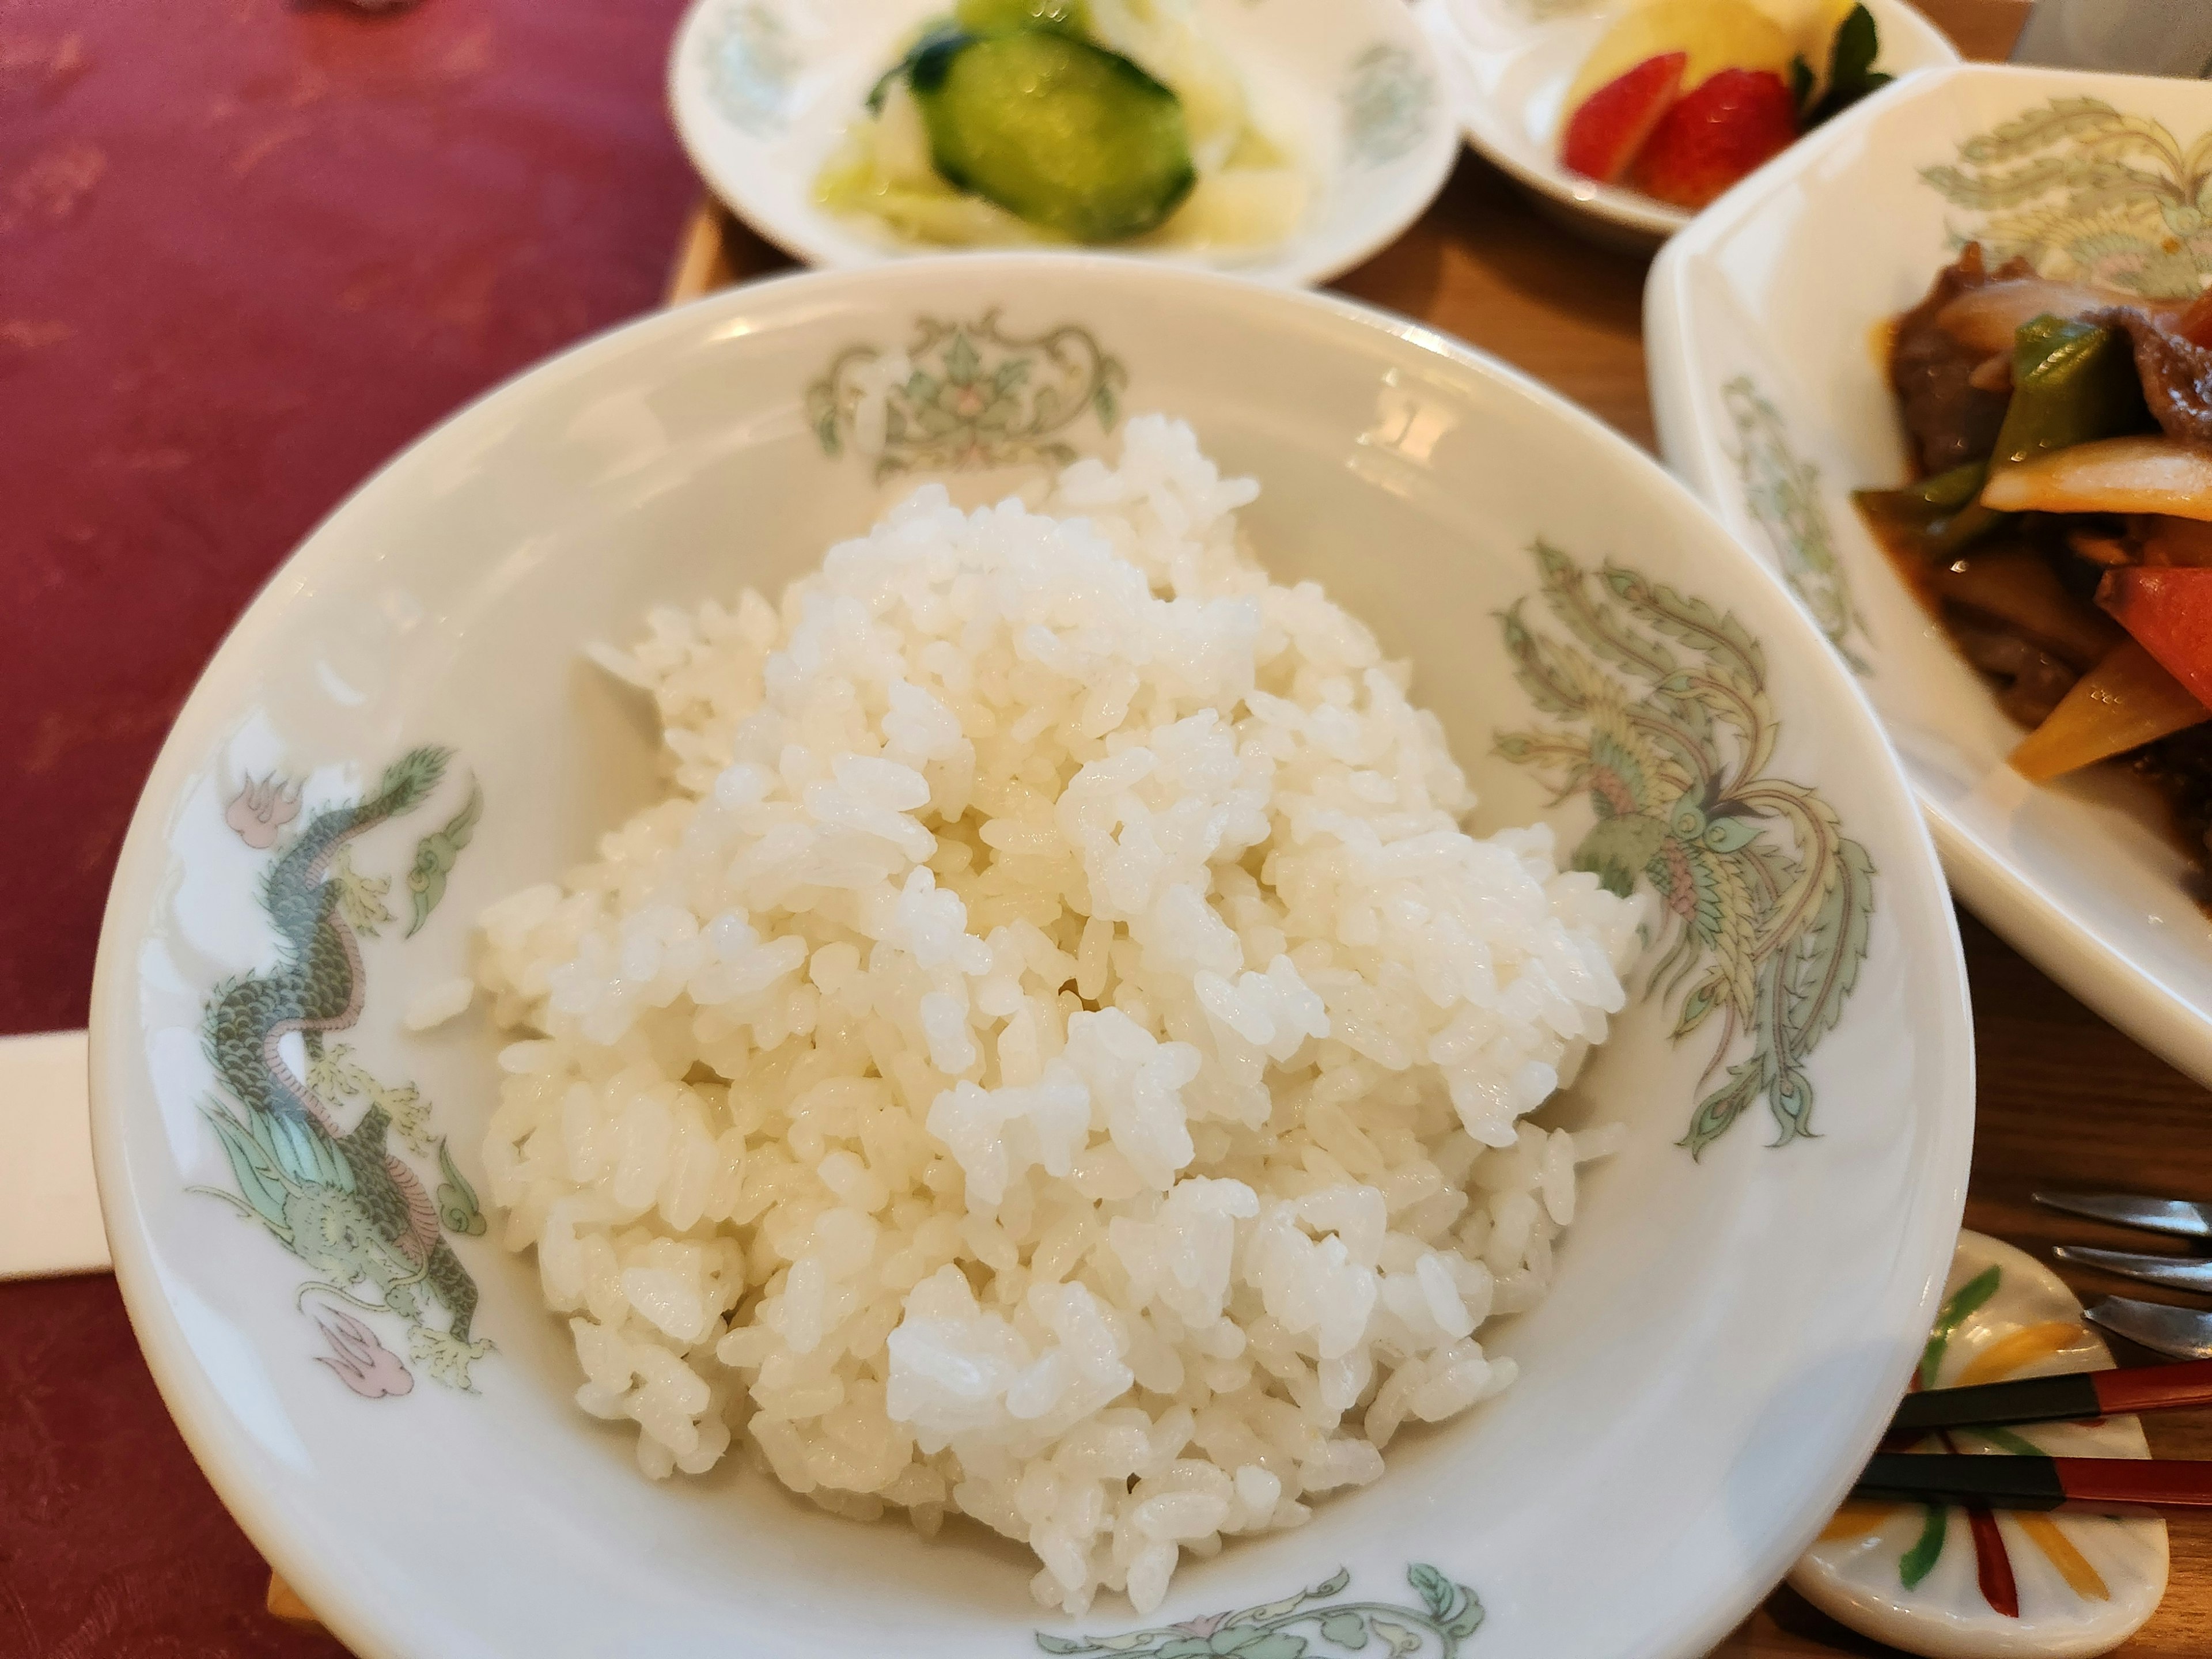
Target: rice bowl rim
[[307, 1543]]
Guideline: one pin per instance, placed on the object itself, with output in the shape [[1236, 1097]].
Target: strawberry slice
[[1610, 125], [2169, 611], [1715, 134]]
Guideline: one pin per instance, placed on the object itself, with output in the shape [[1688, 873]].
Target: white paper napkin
[[49, 1208]]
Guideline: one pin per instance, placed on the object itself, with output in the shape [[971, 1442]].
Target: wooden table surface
[[2065, 1100]]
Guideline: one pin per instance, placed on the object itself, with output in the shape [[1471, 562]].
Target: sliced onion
[[1993, 373], [1986, 318], [2113, 475]]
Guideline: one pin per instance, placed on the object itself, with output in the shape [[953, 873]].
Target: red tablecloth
[[248, 248]]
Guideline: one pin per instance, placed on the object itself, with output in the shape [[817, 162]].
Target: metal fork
[[2179, 1333]]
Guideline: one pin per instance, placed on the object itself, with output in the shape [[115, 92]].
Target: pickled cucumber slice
[[1005, 16], [1060, 133]]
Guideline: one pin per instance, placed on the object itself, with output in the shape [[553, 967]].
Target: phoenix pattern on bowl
[[1781, 493], [1672, 745], [2087, 193]]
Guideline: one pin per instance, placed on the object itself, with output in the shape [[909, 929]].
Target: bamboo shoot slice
[[2124, 701]]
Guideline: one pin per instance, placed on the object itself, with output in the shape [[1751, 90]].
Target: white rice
[[1055, 1054], [434, 1004]]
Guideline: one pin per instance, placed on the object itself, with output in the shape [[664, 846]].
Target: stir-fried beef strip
[[2034, 679], [2177, 372], [2181, 767], [1949, 418]]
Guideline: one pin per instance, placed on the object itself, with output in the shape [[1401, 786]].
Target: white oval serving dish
[[1761, 322]]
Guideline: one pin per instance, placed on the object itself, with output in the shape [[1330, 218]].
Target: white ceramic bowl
[[761, 90], [1728, 1332], [1511, 63], [1773, 402]]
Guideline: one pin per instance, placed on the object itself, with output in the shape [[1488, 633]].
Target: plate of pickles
[[1287, 140]]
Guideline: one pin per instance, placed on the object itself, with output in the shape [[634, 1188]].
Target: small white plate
[[1772, 402], [1511, 62], [763, 90]]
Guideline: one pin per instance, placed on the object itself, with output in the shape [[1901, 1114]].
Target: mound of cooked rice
[[1055, 1054]]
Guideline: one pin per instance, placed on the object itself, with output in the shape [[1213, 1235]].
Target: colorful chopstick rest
[[1957, 1583]]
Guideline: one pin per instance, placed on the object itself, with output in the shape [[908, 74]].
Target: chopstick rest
[[2093, 1486], [1926, 1558]]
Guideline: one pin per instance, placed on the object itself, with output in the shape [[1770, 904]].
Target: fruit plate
[[1511, 63], [1761, 326], [762, 91], [1732, 1319]]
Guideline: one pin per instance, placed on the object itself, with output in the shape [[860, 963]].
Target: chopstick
[[2090, 1486], [703, 255], [2074, 1396]]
